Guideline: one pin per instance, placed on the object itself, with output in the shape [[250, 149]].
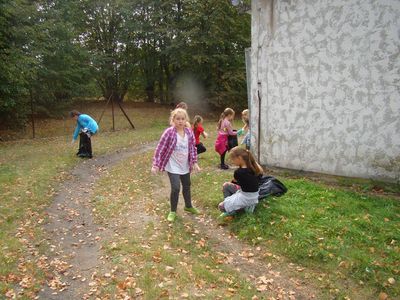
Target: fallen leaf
[[383, 296]]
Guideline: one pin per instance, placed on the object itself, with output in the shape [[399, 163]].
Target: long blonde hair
[[248, 159], [178, 111], [227, 112]]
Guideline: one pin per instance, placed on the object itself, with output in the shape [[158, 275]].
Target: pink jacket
[[221, 144]]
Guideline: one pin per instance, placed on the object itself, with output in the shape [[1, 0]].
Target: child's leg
[[221, 206], [185, 179], [175, 188], [229, 188], [223, 158]]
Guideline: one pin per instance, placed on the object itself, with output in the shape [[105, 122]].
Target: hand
[[72, 142], [154, 170], [205, 134], [196, 167]]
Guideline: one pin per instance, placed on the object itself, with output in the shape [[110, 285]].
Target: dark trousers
[[85, 144], [176, 180], [223, 158], [229, 188]]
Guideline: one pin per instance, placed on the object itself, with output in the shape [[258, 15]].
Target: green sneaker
[[171, 216], [224, 218], [192, 210]]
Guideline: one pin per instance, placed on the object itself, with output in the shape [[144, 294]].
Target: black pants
[[85, 144], [176, 180]]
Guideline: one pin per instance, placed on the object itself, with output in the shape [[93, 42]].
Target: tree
[[108, 32], [40, 60]]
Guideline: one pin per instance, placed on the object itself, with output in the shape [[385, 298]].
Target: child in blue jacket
[[86, 126]]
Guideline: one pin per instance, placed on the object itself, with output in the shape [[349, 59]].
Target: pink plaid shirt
[[167, 144]]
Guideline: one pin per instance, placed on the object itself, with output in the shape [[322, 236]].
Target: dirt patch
[[73, 236]]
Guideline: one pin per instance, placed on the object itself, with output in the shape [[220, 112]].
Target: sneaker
[[192, 210], [171, 216], [224, 217], [224, 167]]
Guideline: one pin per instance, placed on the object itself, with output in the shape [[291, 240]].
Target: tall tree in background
[[200, 40], [16, 23], [109, 34], [41, 62]]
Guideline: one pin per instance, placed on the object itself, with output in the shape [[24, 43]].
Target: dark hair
[[196, 120], [182, 105], [248, 159], [227, 112], [74, 113]]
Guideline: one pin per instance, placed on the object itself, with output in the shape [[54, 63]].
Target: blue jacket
[[85, 121]]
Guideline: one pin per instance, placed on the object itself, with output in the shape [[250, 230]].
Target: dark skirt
[[85, 144]]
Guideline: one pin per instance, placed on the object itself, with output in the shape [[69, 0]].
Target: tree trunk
[[150, 92], [161, 83]]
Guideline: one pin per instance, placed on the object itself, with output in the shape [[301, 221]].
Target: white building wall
[[328, 76]]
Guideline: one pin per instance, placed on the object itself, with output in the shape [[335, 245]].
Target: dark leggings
[[175, 180], [223, 157]]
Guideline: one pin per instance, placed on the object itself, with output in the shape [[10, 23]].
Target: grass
[[334, 230], [162, 260], [29, 173], [344, 233]]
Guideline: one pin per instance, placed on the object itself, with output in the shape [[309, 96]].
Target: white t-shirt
[[179, 160]]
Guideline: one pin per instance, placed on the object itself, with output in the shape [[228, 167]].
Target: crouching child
[[243, 191]]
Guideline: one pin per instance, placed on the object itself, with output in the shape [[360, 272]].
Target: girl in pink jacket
[[224, 130]]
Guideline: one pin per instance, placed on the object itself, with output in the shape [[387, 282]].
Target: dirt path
[[75, 240], [74, 237]]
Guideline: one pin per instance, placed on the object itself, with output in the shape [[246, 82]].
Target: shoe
[[192, 210], [171, 216], [224, 167], [224, 217]]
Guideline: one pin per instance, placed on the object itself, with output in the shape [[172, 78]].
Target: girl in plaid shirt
[[176, 153]]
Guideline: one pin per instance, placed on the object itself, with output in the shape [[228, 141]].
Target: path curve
[[73, 236], [75, 239]]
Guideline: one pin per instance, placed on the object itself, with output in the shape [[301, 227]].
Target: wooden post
[[120, 106], [102, 113]]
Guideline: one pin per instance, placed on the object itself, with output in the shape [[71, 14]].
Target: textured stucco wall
[[328, 76]]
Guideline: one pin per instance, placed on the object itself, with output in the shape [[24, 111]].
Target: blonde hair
[[196, 120], [245, 116], [248, 159], [227, 112], [178, 111]]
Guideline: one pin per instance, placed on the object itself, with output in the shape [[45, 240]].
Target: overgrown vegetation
[[161, 51]]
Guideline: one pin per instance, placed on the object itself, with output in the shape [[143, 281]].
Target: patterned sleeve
[[192, 147], [161, 148]]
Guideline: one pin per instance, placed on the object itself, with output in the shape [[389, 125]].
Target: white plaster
[[329, 85]]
